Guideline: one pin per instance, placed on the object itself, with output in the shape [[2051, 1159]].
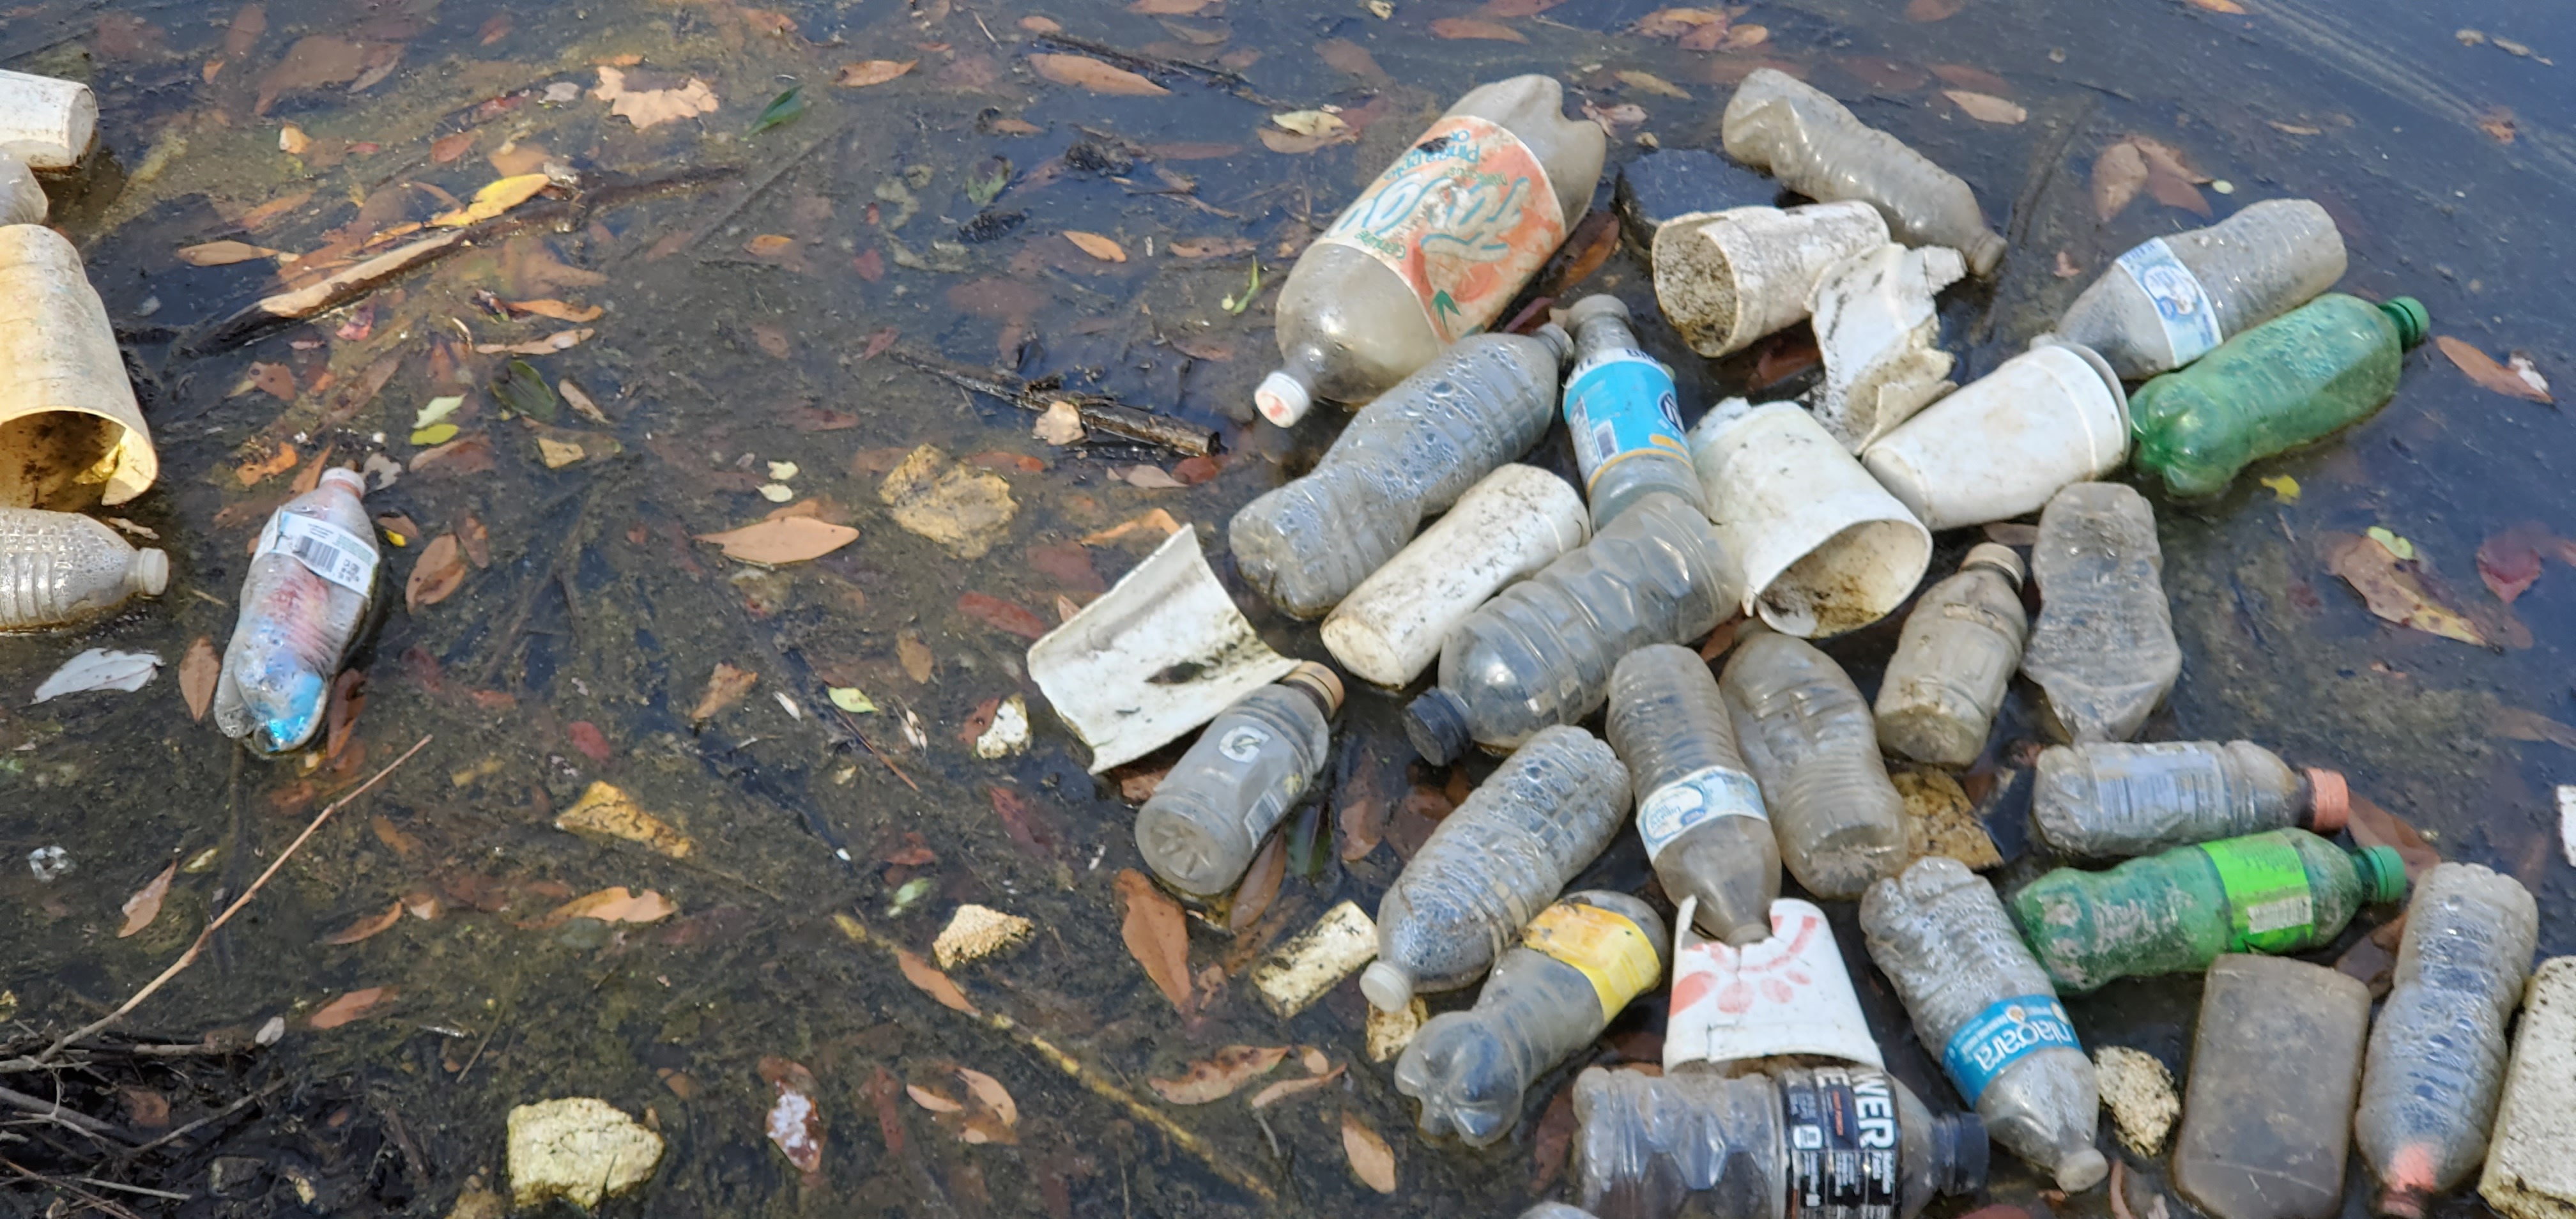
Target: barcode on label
[[2280, 915], [323, 548]]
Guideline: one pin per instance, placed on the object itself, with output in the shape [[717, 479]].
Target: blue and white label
[[2002, 1035], [1618, 404], [1701, 796], [2182, 304]]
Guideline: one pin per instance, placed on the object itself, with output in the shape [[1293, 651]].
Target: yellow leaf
[[1651, 83], [492, 200], [1311, 122], [605, 810], [2284, 488], [852, 699], [1096, 245], [2400, 547], [558, 453]]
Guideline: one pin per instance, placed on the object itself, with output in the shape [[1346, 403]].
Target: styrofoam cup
[[1789, 994], [1727, 278], [2003, 444], [1825, 549]]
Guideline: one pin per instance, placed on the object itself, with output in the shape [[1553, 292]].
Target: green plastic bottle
[[2278, 892], [2284, 383]]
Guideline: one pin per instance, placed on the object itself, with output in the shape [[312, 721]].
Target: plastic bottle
[[1698, 808], [2171, 299], [1557, 1210], [2113, 799], [1623, 414], [2437, 1052], [2267, 1116], [1808, 739], [2284, 383], [58, 567], [311, 579], [1199, 830], [1975, 992], [22, 201], [1485, 401], [1954, 660], [1578, 965], [2103, 649], [1433, 249], [1541, 651], [1510, 525], [1838, 1142], [1494, 863], [2273, 892], [1817, 148]]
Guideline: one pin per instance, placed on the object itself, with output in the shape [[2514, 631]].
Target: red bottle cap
[[2329, 801]]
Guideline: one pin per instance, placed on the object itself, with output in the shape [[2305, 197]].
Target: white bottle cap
[[346, 479], [1282, 399]]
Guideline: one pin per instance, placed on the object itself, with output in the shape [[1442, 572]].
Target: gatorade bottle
[[1624, 415], [1200, 828]]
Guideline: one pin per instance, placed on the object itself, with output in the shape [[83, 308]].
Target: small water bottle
[[1624, 415], [1954, 661], [1200, 828], [60, 567], [1698, 809], [2115, 799], [311, 579], [1807, 737], [2171, 299], [2103, 650], [1817, 148]]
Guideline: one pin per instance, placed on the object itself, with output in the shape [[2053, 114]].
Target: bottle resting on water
[[1432, 251], [1308, 543], [1817, 148], [1200, 828], [1494, 863], [1578, 965], [1954, 661], [1698, 808], [311, 579], [1980, 999], [2115, 799], [1507, 527], [1623, 415], [2267, 1116], [59, 567], [2172, 299], [2103, 650], [1807, 737]]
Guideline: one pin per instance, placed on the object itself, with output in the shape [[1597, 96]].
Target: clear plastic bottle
[[1308, 543], [2437, 1053], [1578, 965], [1433, 249], [1954, 660], [1541, 651], [2115, 799], [1557, 1210], [1976, 994], [2171, 299], [1817, 148], [1832, 1142], [2267, 1116], [1624, 415], [1808, 739], [311, 579], [1200, 828], [2274, 892], [59, 567], [2103, 649], [1698, 808], [2289, 381], [1494, 864]]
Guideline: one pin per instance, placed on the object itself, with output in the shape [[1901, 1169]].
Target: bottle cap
[[1437, 725], [1557, 340], [2412, 322], [1958, 1153], [346, 479], [1597, 305], [2080, 1170], [1995, 556], [149, 573], [2329, 801], [2399, 1202], [1282, 398], [1319, 681], [2383, 873], [1388, 987]]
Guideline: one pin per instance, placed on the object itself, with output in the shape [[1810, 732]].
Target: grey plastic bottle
[[301, 605], [2115, 799], [1981, 1001], [1541, 651], [1819, 149], [2171, 299], [2103, 650], [2437, 1052], [2267, 1116], [1557, 1210], [1494, 864], [1200, 828], [1406, 456], [1954, 661], [1623, 415], [1698, 808], [1807, 737], [60, 567], [1576, 968]]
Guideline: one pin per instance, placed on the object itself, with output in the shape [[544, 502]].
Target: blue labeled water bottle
[[1624, 415]]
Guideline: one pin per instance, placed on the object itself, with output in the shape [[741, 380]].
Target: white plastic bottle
[[2116, 799], [1200, 828], [1511, 524], [1623, 414], [59, 567], [1815, 147], [1698, 809], [1433, 249], [22, 201], [1954, 660], [310, 582], [2170, 300], [1808, 739], [2103, 650]]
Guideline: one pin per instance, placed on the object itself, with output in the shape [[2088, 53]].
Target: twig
[[54, 1110], [244, 1102], [507, 643], [68, 1187], [758, 187], [136, 1189], [477, 1055], [1098, 413]]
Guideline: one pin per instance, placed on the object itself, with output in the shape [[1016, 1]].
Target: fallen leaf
[[1209, 247], [725, 687], [932, 1101], [1471, 27], [2163, 156], [1654, 84], [2489, 375], [1153, 526], [1290, 1087], [2393, 592], [2396, 545], [434, 435], [653, 107], [355, 1005], [1555, 1134], [1260, 886], [556, 454], [1059, 424], [2229, 7], [592, 743], [226, 253], [1168, 8], [1151, 478], [448, 149], [99, 669], [145, 905], [1219, 1075], [794, 1122], [963, 510], [2172, 190], [930, 981], [197, 673], [1985, 107], [1002, 615], [995, 1117], [606, 811], [476, 540], [2119, 173], [1372, 1161], [436, 575], [2498, 123], [1157, 935], [368, 927], [1089, 73], [561, 340], [790, 539], [872, 72], [494, 199], [558, 310], [2515, 723], [581, 403], [1096, 245], [2510, 561], [781, 110], [1678, 22], [2373, 826], [610, 905], [1933, 10], [2285, 489]]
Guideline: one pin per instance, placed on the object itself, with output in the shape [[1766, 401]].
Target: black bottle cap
[[1437, 725], [1958, 1153]]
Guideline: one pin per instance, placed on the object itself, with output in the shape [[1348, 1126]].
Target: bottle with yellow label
[[1578, 965]]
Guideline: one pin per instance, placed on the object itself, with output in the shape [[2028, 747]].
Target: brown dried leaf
[[145, 905], [437, 575], [1088, 73], [197, 674], [1372, 1161], [2174, 190], [725, 687], [1679, 22], [1153, 526], [558, 310], [932, 1101], [1220, 1075], [872, 72], [2509, 562], [2229, 7], [561, 340], [1002, 615], [1209, 247], [610, 905], [1260, 885], [1985, 107], [1349, 57], [275, 380], [605, 810], [1933, 10], [226, 253], [2489, 375], [368, 927], [1650, 83], [1096, 245], [996, 1116], [2373, 826], [1471, 27], [927, 977], [2393, 591], [1290, 1087], [2119, 173], [355, 1005], [914, 655], [2515, 723], [1157, 935], [794, 1123], [792, 539], [653, 107]]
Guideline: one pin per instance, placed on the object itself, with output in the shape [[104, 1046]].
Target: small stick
[[1098, 413], [73, 1118], [68, 1187]]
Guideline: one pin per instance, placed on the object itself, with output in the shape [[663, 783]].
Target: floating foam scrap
[[976, 932], [2140, 1093]]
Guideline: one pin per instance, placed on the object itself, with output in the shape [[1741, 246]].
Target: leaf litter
[[2393, 589], [1220, 1075], [145, 905], [1157, 935], [2519, 380]]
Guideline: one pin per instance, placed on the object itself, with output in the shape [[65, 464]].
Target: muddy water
[[756, 320]]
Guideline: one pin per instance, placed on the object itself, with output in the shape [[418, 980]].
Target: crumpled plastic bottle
[[2103, 650], [1808, 739], [2115, 799], [311, 580], [1954, 660], [1817, 148]]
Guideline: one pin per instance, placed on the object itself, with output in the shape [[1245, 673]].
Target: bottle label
[[1618, 404], [2004, 1034], [1842, 1143], [1466, 215], [2182, 305], [2269, 905], [325, 549], [1605, 946], [1702, 795]]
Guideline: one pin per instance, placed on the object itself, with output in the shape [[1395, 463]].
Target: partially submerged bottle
[[2267, 1116], [2103, 650], [1578, 965], [1942, 936], [1623, 414], [2274, 892], [1306, 544], [1817, 148], [1494, 863], [1541, 651], [2171, 299], [1807, 737], [1433, 249], [311, 578], [2289, 381], [59, 567], [1698, 809], [1511, 524], [2115, 799], [1954, 660], [2437, 1052], [1200, 828], [22, 201]]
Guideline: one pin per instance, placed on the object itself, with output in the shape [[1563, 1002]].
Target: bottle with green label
[[2284, 383], [2276, 892]]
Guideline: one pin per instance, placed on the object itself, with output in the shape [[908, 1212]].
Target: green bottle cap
[[2412, 322], [2383, 873]]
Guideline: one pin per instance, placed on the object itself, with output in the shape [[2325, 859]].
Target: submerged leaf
[[2489, 375], [197, 673], [795, 1122], [436, 575], [2510, 561], [355, 1005], [1476, 28], [611, 905], [1157, 935], [226, 253], [1092, 74], [492, 200], [1097, 246], [1985, 107], [984, 183], [2284, 488], [2119, 173], [872, 72], [606, 811], [1372, 1161], [787, 539], [930, 981], [852, 699], [1220, 1075], [1251, 289], [653, 107], [521, 389], [2394, 593], [145, 905], [725, 687], [368, 927], [781, 110]]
